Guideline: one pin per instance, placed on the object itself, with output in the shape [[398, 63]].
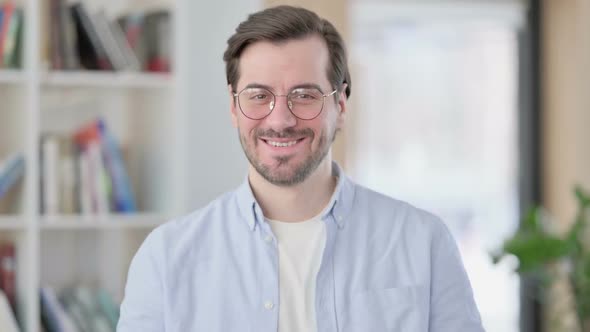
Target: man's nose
[[281, 117]]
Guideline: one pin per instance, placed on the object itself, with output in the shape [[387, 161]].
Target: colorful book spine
[[10, 172], [8, 273], [10, 51], [7, 10], [123, 197]]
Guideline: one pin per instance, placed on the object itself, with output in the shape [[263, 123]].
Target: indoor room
[[122, 124]]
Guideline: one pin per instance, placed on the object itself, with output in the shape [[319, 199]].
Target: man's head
[[278, 52]]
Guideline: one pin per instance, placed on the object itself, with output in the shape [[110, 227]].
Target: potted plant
[[557, 262]]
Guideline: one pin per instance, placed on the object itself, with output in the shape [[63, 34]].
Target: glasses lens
[[306, 103], [256, 103]]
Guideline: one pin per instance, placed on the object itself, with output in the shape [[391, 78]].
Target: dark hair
[[283, 23]]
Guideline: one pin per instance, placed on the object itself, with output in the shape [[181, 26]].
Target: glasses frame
[[289, 105]]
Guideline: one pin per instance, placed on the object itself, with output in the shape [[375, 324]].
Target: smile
[[282, 144]]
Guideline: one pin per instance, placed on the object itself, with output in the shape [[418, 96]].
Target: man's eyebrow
[[257, 86], [307, 86], [298, 86]]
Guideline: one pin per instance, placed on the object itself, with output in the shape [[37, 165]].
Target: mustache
[[287, 133]]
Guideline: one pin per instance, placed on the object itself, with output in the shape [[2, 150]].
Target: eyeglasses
[[304, 103]]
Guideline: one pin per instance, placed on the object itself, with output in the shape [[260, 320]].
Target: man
[[298, 247]]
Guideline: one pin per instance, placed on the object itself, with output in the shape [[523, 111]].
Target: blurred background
[[114, 117]]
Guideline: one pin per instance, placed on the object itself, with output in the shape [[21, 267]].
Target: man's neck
[[295, 203]]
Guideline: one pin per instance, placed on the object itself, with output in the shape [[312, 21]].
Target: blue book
[[124, 199], [11, 170], [1, 19]]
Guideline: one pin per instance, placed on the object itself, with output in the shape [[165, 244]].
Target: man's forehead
[[298, 58]]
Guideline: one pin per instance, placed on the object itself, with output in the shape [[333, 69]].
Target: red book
[[87, 134], [8, 273], [8, 9]]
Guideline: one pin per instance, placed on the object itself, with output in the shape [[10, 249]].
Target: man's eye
[[304, 96], [259, 97]]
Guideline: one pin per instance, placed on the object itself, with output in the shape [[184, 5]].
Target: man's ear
[[342, 107], [232, 106]]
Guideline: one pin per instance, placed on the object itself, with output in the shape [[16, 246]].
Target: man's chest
[[367, 289]]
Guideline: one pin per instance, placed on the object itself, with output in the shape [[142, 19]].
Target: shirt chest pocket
[[392, 309]]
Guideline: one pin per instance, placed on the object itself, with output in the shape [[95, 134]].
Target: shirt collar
[[339, 206]]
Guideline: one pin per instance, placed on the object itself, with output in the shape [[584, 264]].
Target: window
[[434, 123]]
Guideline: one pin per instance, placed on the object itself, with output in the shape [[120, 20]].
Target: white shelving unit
[[145, 112]]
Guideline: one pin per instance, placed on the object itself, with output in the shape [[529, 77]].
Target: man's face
[[282, 148]]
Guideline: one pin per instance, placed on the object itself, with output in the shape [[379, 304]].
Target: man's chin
[[282, 175]]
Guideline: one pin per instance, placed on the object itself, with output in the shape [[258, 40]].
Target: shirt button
[[268, 239], [268, 305]]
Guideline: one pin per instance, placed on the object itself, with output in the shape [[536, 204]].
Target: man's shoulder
[[223, 207], [386, 209]]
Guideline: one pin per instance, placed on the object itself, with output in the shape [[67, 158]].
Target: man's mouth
[[282, 143]]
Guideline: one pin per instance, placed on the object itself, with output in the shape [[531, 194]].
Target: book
[[67, 176], [7, 13], [55, 19], [131, 60], [83, 303], [158, 29], [53, 314], [108, 307], [132, 27], [8, 273], [88, 139], [11, 170], [104, 33], [63, 36], [123, 197], [7, 321], [91, 50], [50, 175], [11, 54], [84, 190]]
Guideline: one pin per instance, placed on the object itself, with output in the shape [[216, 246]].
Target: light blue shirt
[[387, 266]]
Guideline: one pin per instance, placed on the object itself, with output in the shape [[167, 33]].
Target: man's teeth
[[281, 144]]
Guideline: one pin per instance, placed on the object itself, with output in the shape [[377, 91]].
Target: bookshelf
[[145, 113]]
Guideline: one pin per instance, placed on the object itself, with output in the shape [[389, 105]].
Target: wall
[[566, 117], [566, 103], [335, 11], [214, 160]]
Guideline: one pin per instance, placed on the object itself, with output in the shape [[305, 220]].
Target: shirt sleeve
[[452, 306], [143, 305]]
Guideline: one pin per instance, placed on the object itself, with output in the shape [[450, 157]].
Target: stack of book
[[11, 30], [8, 322], [80, 39], [84, 173], [78, 309]]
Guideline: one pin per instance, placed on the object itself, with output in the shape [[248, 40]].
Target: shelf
[[104, 79], [12, 223], [99, 222], [11, 76]]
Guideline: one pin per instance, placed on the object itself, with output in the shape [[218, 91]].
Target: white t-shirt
[[301, 246]]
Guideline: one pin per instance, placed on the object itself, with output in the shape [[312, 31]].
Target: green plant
[[536, 248]]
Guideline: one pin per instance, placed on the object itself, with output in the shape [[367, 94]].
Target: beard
[[282, 174]]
